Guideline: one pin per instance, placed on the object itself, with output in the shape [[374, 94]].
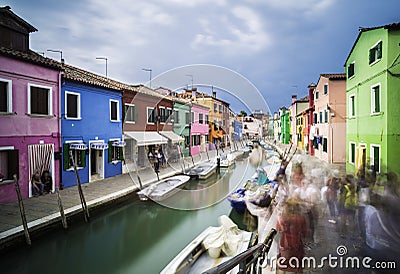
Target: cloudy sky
[[280, 46]]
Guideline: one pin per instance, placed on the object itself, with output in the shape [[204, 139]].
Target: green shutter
[[110, 151], [379, 50], [134, 113], [83, 158], [371, 56], [66, 156], [121, 153]]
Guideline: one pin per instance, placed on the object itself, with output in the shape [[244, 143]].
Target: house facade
[[372, 96], [182, 124], [198, 129], [329, 118], [93, 135], [284, 115], [29, 110]]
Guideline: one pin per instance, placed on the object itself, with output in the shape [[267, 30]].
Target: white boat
[[163, 189], [226, 160], [203, 170], [195, 258]]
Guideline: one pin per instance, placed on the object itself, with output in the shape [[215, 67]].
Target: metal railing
[[251, 258]]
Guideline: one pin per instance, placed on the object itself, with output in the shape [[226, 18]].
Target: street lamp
[[104, 58], [59, 51], [148, 70], [190, 75]]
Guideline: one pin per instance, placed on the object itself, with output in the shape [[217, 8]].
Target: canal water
[[136, 237]]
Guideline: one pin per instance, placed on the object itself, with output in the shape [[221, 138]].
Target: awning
[[175, 138], [119, 144], [145, 138], [79, 146], [99, 146]]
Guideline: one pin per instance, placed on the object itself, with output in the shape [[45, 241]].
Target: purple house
[[29, 109], [198, 129]]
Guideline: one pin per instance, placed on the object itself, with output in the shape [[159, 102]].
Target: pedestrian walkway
[[43, 211]]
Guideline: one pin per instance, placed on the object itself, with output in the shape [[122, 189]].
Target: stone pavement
[[43, 211]]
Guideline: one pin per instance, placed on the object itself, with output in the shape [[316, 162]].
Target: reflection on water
[[139, 237]]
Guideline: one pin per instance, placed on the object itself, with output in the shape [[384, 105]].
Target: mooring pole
[[81, 196], [61, 208], [22, 211]]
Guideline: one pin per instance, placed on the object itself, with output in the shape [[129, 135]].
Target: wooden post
[[61, 208], [78, 181], [22, 211], [208, 157]]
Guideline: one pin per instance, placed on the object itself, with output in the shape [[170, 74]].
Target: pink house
[[329, 130], [198, 129], [29, 110]]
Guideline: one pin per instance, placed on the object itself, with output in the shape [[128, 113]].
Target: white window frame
[[327, 89], [9, 94], [159, 112], [78, 105], [371, 155], [112, 148], [351, 153], [75, 158], [169, 117], [49, 94], [373, 99], [354, 74], [147, 115], [114, 101], [350, 106], [126, 121], [377, 60]]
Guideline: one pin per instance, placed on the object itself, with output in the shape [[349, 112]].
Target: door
[[93, 162], [99, 163]]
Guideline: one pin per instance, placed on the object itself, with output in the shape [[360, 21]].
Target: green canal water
[[135, 237]]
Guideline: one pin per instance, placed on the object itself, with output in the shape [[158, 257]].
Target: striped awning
[[78, 146], [99, 146], [119, 144]]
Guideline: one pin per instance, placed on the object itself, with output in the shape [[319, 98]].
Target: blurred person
[[37, 185], [331, 195], [350, 204], [47, 181]]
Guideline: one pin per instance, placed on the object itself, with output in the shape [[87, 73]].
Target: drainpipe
[[59, 131]]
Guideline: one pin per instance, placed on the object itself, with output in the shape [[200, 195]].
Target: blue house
[[91, 126], [237, 130]]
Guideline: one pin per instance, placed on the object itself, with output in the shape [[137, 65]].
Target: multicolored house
[[372, 96], [198, 129], [182, 124], [91, 123], [29, 109]]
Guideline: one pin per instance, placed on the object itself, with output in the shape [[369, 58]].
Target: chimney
[[214, 94], [311, 89], [294, 98]]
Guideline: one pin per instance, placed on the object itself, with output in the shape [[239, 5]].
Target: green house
[[284, 114], [372, 97], [182, 123]]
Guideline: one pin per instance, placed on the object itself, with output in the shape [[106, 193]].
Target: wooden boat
[[194, 258], [203, 171], [163, 189]]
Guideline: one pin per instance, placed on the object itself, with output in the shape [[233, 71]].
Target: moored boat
[[203, 171], [163, 189]]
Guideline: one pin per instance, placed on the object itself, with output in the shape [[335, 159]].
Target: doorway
[[96, 164]]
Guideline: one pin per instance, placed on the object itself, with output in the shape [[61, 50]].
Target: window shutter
[[110, 151], [134, 113], [121, 153], [371, 56], [83, 158], [66, 156], [379, 50]]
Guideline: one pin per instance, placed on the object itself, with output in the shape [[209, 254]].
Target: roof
[[30, 57], [12, 21], [334, 76], [392, 26]]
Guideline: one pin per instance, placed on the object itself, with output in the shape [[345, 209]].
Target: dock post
[[81, 196], [22, 211], [208, 157], [61, 208]]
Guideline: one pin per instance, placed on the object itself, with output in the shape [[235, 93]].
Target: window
[[176, 116], [375, 157], [78, 155], [40, 100], [200, 118], [114, 110], [192, 120], [326, 89], [320, 117], [215, 107], [207, 119], [8, 163], [315, 118], [187, 141], [375, 99], [220, 108], [187, 118], [375, 53], [352, 153], [5, 95], [350, 70], [170, 118], [324, 144], [151, 115], [316, 95], [352, 105], [115, 153], [130, 113], [72, 105], [195, 140], [326, 116], [163, 114]]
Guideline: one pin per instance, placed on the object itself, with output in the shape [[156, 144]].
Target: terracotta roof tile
[[334, 76]]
